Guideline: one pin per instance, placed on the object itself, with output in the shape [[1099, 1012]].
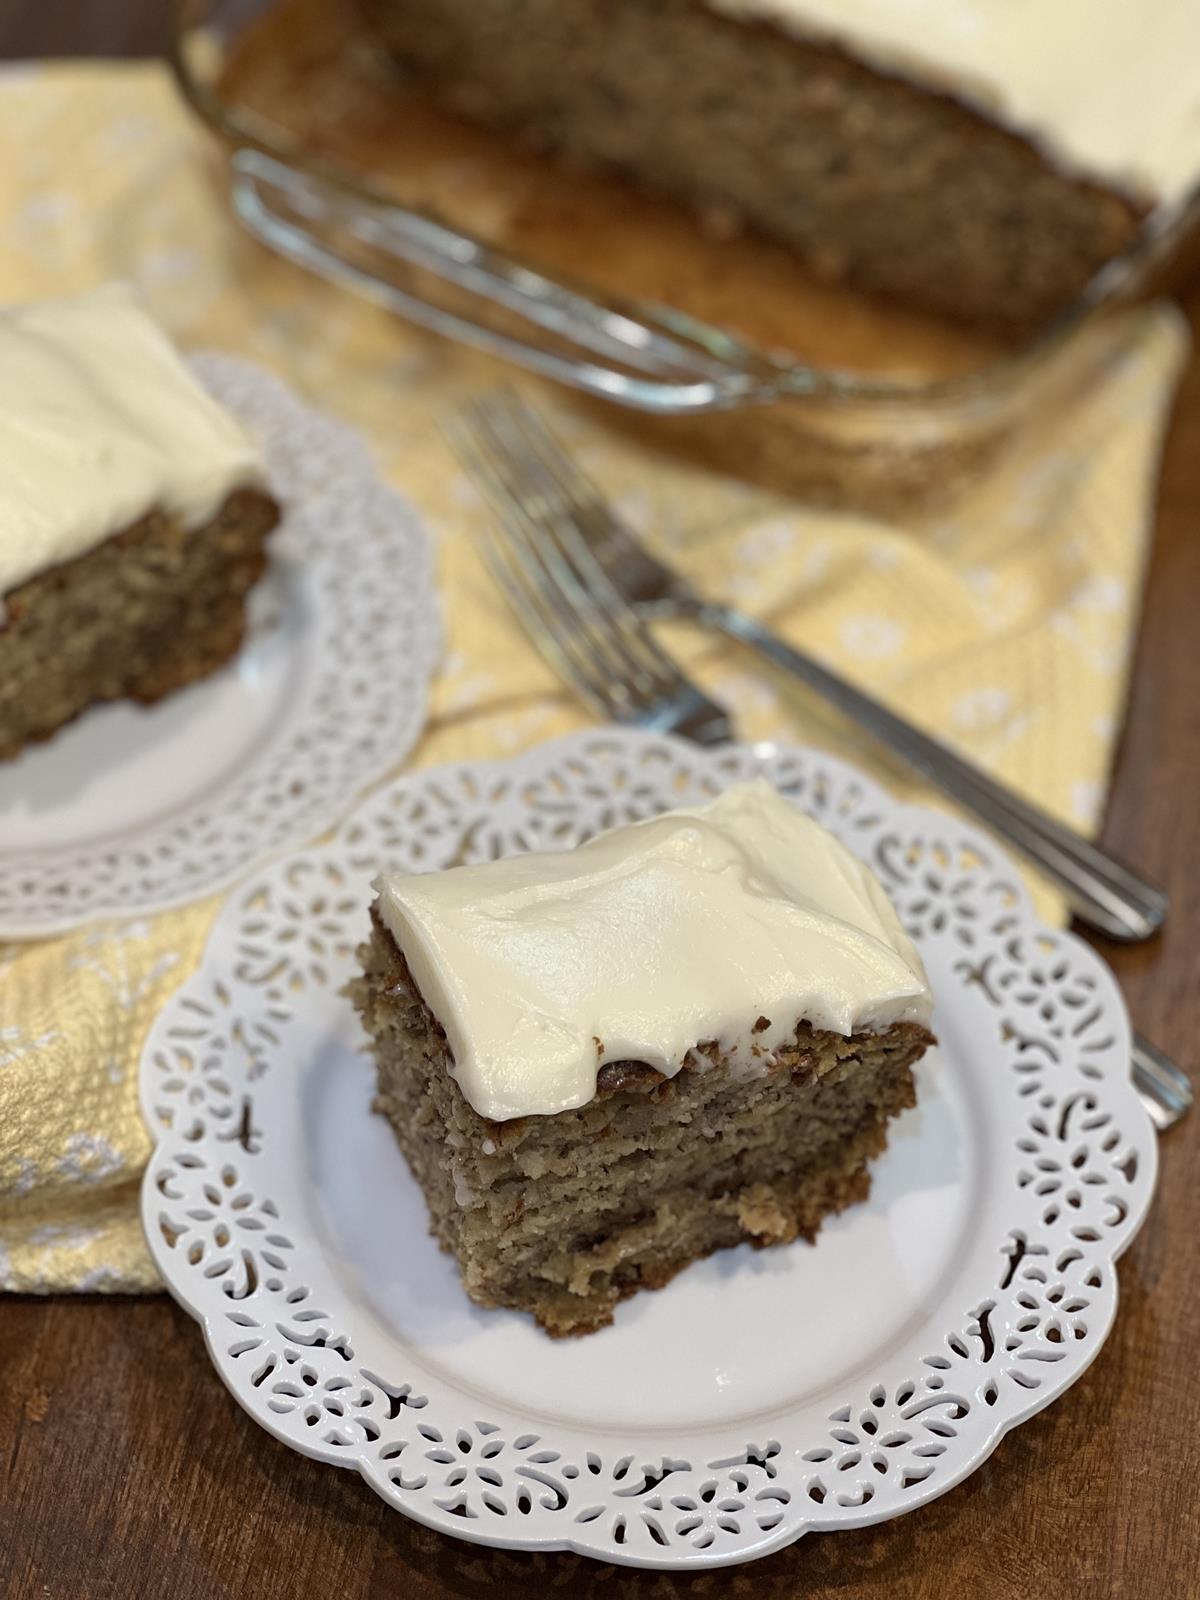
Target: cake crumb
[[760, 1214]]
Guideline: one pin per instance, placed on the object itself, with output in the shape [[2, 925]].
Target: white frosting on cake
[[1108, 88], [101, 421], [647, 941]]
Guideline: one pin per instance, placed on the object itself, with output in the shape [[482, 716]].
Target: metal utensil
[[1101, 891], [585, 629], [574, 575]]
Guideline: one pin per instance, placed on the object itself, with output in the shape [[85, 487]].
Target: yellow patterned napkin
[[1006, 627]]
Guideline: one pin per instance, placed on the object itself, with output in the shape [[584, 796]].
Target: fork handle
[[1100, 890], [1163, 1088]]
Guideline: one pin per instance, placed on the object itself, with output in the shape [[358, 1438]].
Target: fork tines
[[541, 559]]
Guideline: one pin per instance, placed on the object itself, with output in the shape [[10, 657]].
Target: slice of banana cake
[[602, 1064]]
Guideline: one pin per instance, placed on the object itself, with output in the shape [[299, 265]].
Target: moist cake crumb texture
[[149, 610], [563, 1214]]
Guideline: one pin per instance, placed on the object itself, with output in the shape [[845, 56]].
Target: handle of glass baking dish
[[650, 358], [654, 361]]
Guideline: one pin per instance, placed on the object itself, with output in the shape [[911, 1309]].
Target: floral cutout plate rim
[[757, 1397], [134, 809]]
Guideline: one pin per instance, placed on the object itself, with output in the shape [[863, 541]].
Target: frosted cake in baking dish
[[977, 159]]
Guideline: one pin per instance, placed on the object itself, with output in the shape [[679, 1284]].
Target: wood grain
[[39, 28], [127, 1470]]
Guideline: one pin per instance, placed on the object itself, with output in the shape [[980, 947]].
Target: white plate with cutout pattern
[[133, 808], [758, 1396]]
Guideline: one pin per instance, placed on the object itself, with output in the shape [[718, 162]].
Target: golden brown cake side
[[564, 1216], [873, 180], [143, 613]]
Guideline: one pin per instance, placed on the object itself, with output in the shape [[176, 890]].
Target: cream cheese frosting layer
[[101, 421], [1108, 88], [647, 941]]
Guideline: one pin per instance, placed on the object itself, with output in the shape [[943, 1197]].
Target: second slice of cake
[[602, 1064], [134, 514]]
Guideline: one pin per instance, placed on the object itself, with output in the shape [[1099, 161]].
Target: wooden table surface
[[128, 1471]]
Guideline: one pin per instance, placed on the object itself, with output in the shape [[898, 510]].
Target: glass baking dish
[[722, 347]]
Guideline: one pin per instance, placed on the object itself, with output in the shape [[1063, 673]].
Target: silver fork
[[584, 587], [1101, 891], [584, 627]]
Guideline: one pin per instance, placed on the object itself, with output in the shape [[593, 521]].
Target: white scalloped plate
[[759, 1395], [135, 808]]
